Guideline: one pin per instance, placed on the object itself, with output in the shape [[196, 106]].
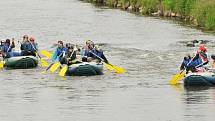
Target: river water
[[149, 48]]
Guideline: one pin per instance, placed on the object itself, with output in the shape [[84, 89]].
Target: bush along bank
[[200, 13]]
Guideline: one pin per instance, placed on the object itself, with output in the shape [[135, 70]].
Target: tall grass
[[210, 19], [203, 11], [150, 5], [169, 4]]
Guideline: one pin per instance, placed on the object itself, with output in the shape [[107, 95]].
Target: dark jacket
[[6, 47], [28, 48], [68, 58], [97, 55]]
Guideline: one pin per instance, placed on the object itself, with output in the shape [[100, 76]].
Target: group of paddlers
[[198, 62], [64, 53], [28, 47], [67, 54]]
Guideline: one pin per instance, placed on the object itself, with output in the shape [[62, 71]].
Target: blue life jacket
[[7, 48], [87, 53], [195, 63], [29, 47], [59, 52]]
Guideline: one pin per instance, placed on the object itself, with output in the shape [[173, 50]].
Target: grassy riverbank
[[200, 13]]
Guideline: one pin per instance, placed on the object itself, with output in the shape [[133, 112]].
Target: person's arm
[[104, 58], [196, 57], [54, 56], [13, 44], [182, 66], [22, 47], [34, 47], [4, 49], [86, 53], [205, 56], [73, 56], [62, 54]]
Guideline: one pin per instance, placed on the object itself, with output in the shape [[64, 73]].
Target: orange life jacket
[[213, 65]]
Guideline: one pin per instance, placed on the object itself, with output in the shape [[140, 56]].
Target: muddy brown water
[[148, 48]]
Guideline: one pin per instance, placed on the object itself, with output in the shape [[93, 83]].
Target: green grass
[[210, 19], [201, 10]]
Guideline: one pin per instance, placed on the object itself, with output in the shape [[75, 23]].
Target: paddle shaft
[[35, 49], [70, 56], [51, 64]]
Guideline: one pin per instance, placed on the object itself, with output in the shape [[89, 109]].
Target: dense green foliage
[[201, 11]]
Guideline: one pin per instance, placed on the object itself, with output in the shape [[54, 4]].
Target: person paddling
[[70, 56], [7, 48], [59, 52], [29, 46], [193, 64], [85, 50], [97, 53]]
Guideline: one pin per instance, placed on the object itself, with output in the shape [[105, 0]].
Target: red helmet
[[202, 48]]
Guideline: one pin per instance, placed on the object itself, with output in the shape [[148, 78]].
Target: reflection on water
[[197, 95], [198, 102]]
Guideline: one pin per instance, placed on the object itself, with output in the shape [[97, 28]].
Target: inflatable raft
[[85, 69], [200, 79], [21, 62]]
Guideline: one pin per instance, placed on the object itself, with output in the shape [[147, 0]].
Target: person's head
[[31, 39], [187, 57], [60, 44], [67, 45], [202, 48], [91, 46], [98, 48], [25, 38], [70, 48], [213, 57], [2, 42], [88, 42], [7, 41]]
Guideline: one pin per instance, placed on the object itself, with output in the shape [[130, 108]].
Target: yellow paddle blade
[[54, 67], [63, 71], [1, 64], [176, 78], [119, 69], [46, 53], [43, 72], [43, 63], [109, 67]]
